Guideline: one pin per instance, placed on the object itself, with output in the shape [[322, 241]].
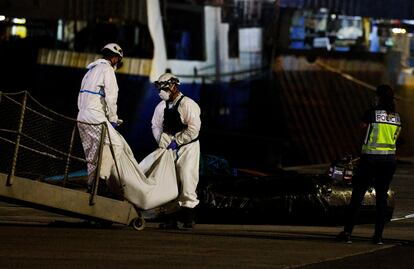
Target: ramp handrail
[[43, 135]]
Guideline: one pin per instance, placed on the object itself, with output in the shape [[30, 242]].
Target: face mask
[[114, 65], [164, 95], [118, 64]]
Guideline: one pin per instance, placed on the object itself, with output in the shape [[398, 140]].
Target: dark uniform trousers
[[377, 171]]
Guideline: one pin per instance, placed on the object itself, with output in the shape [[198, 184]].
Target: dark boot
[[169, 221], [103, 189], [377, 239], [187, 217], [344, 237]]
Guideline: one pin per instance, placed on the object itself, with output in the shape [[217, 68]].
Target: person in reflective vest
[[377, 162]]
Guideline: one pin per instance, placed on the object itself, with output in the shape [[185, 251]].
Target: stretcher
[[37, 144]]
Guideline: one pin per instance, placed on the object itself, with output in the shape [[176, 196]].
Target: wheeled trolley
[[38, 145]]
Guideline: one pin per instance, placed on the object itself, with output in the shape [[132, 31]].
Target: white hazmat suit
[[188, 154], [146, 185], [97, 103]]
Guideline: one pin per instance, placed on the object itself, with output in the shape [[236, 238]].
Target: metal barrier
[[46, 159]]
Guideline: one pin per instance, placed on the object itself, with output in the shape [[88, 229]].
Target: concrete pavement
[[29, 241]]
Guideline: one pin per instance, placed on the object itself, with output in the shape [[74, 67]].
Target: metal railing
[[39, 144]]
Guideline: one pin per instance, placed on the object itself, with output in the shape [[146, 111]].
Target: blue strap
[[91, 92]]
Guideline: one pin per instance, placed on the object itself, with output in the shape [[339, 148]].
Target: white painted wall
[[159, 60], [250, 48]]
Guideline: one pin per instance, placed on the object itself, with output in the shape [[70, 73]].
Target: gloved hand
[[114, 124], [173, 145]]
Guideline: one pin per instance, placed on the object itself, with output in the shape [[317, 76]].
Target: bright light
[[19, 20], [2, 17], [399, 31], [409, 22], [20, 31], [60, 30]]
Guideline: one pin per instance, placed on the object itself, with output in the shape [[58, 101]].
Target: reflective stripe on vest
[[382, 134]]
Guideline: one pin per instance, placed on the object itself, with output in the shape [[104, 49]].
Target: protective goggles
[[163, 84]]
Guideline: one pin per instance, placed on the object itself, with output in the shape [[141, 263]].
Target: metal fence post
[[10, 176], [98, 165], [72, 138]]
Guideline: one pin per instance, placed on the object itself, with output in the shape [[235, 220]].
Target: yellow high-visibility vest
[[382, 133]]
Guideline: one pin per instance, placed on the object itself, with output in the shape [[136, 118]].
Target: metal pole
[[111, 147], [10, 176], [72, 138], [98, 165]]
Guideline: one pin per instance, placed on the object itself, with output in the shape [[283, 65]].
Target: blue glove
[[173, 145], [114, 124]]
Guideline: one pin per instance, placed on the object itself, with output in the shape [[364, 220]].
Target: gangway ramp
[[66, 201], [41, 155]]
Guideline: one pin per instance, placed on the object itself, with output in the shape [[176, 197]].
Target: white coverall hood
[[95, 63]]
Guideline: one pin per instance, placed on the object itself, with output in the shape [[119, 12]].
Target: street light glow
[[399, 31], [19, 20]]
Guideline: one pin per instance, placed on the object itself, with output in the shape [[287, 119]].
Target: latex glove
[[173, 145], [117, 123]]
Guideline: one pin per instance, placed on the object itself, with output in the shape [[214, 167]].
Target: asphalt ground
[[38, 239]]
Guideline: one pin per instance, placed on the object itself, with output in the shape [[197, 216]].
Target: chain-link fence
[[40, 144]]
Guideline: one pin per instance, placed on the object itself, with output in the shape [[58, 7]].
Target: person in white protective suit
[[97, 103], [146, 185], [176, 125]]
